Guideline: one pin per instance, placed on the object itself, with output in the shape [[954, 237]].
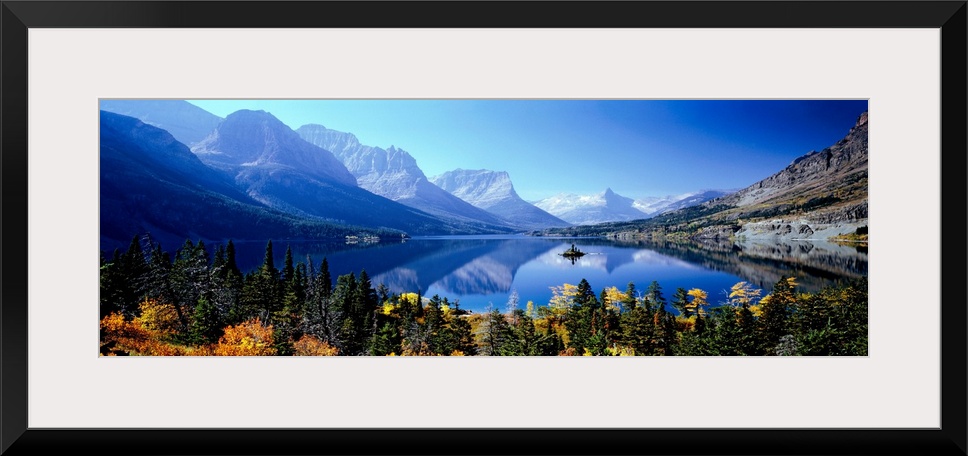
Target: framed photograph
[[671, 82]]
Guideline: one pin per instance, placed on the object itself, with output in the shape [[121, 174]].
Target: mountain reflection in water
[[484, 270]]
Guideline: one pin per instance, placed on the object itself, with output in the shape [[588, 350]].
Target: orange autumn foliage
[[123, 337], [310, 346], [248, 338]]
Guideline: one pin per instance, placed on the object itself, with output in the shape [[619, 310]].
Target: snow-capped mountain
[[494, 192], [275, 166], [393, 173], [653, 206], [591, 209]]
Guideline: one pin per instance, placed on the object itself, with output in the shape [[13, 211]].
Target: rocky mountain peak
[[494, 192], [249, 138]]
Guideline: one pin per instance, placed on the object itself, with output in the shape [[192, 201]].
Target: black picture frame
[[17, 17]]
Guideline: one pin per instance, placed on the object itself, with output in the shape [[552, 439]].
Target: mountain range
[[275, 166], [177, 171], [393, 173], [151, 183], [609, 206]]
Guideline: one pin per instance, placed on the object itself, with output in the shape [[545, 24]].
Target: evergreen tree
[[438, 341], [680, 301], [629, 300], [585, 322], [189, 278], [748, 343], [288, 269], [726, 333], [777, 308], [664, 335], [268, 290], [159, 271], [653, 297], [833, 322], [637, 327], [492, 333], [230, 265], [206, 327], [459, 331], [111, 285], [363, 305], [134, 270]]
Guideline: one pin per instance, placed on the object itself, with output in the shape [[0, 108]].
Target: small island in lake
[[573, 252]]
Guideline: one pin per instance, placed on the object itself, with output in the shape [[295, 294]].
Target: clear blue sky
[[637, 147]]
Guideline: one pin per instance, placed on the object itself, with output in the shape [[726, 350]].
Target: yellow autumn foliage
[[698, 301], [389, 307], [743, 293], [409, 298], [561, 297], [249, 338], [158, 316], [613, 298]]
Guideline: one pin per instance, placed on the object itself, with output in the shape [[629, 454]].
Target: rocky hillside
[[825, 182]]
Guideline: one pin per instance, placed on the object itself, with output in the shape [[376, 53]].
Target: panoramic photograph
[[483, 227]]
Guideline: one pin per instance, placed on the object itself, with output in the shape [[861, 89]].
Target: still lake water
[[484, 270]]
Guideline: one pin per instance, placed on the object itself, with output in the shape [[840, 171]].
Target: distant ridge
[[188, 123]]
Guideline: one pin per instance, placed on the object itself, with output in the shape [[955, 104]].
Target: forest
[[194, 303]]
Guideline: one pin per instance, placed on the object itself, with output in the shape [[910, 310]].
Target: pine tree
[[726, 334], [159, 272], [111, 285], [585, 322], [492, 333], [653, 297], [206, 327], [437, 336], [189, 278], [777, 308], [134, 270], [230, 265], [680, 301], [460, 331]]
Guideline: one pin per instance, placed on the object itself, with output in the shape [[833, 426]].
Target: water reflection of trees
[[487, 266], [815, 263]]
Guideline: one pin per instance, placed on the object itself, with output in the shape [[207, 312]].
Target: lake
[[479, 271]]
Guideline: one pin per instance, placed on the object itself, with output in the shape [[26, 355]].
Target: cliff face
[[818, 196]]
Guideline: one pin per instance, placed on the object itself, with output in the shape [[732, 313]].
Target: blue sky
[[638, 148]]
